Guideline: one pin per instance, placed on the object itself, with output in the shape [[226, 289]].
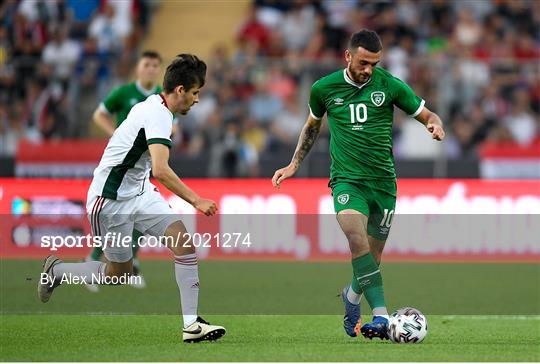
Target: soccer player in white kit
[[121, 197]]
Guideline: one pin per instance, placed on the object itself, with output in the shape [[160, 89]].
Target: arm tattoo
[[305, 142]]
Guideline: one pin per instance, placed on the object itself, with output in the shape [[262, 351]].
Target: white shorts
[[147, 213]]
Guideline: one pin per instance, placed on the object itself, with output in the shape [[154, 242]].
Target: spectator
[[254, 33], [280, 84], [28, 42], [473, 76], [103, 28], [297, 26], [338, 11], [521, 122], [93, 68], [80, 13], [524, 50], [263, 105], [47, 12], [45, 116], [463, 132], [397, 58], [11, 129], [61, 55], [254, 99], [326, 37], [467, 31], [287, 124]]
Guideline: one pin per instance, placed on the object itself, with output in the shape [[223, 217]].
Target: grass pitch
[[273, 312]]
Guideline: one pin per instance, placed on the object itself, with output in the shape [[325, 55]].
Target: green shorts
[[375, 199]]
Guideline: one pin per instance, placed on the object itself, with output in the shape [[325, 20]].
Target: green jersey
[[360, 120], [121, 100]]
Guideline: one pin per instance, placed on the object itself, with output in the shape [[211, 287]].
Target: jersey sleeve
[[112, 102], [407, 100], [158, 129], [317, 108]]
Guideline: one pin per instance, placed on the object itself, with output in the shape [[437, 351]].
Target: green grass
[[256, 338], [273, 312]]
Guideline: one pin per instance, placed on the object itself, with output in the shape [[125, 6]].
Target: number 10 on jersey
[[358, 113]]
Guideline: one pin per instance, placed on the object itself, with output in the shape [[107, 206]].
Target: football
[[407, 325]]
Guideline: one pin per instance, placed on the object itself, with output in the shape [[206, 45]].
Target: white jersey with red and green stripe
[[125, 166]]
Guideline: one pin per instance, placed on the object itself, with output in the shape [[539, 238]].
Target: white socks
[[187, 278], [90, 272], [380, 311], [353, 297]]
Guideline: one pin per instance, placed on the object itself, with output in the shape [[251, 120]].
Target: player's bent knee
[[376, 247], [376, 255], [350, 212], [119, 270], [178, 239], [358, 250]]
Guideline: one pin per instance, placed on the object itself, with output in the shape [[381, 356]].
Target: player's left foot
[[201, 330], [377, 328], [47, 283], [352, 320]]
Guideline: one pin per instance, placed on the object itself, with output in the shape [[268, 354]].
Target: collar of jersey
[[158, 98], [144, 91], [351, 82]]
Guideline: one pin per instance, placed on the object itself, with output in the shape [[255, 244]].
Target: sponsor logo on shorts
[[343, 199], [377, 98], [364, 282], [384, 230]]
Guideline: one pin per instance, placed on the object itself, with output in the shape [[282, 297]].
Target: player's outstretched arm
[[165, 175], [309, 134], [104, 121], [432, 122]]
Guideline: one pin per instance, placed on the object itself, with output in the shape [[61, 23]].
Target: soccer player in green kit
[[119, 102], [359, 102]]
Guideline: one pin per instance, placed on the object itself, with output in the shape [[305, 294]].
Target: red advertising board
[[451, 220]]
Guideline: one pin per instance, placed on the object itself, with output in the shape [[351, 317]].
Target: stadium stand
[[475, 62]]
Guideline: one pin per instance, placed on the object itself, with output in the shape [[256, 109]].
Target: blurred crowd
[[475, 62], [56, 54]]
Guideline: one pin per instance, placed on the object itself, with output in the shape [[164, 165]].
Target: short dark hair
[[367, 39], [186, 70], [151, 54]]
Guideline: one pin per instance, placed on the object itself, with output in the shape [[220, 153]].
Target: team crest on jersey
[[377, 98], [343, 199]]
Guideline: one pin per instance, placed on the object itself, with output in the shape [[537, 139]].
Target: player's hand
[[437, 131], [282, 174], [207, 207]]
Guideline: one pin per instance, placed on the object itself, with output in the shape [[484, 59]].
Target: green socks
[[355, 286], [368, 280]]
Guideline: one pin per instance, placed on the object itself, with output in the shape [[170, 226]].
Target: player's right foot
[[377, 328], [352, 320], [201, 330], [45, 289]]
